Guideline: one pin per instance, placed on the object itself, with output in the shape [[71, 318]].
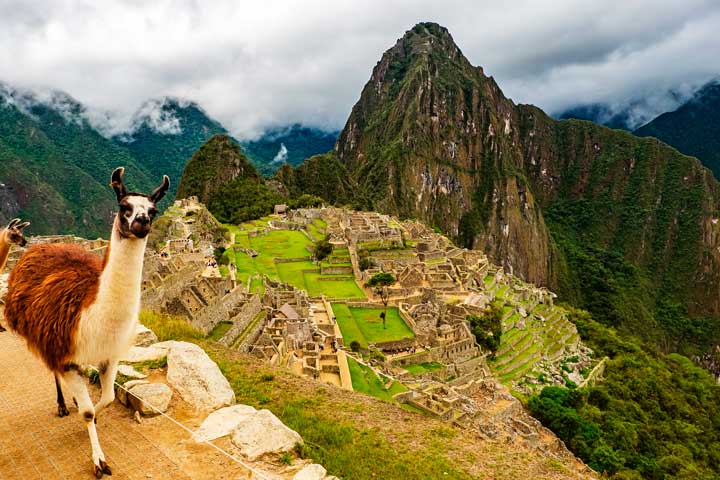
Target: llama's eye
[[125, 211], [153, 212]]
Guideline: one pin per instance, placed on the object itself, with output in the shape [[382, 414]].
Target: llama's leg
[[108, 372], [62, 408], [76, 384]]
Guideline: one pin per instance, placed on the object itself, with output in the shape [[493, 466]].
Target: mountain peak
[[428, 38]]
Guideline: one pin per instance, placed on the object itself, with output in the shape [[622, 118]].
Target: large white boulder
[[144, 397], [263, 433], [222, 422], [196, 377], [311, 472]]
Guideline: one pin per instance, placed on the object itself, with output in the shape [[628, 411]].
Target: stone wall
[[254, 334], [246, 314]]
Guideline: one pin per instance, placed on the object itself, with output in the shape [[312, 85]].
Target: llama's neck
[[121, 279], [4, 250]]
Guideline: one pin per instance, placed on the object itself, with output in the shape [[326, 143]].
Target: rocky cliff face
[[624, 226]]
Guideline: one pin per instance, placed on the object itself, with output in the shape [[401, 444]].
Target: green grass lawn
[[425, 367], [332, 289], [315, 231], [219, 331], [365, 326], [364, 380], [287, 244]]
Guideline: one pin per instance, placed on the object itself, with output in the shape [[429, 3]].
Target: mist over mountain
[[165, 133], [291, 144], [629, 114], [56, 156], [693, 128]]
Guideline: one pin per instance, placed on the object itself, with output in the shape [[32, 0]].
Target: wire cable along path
[[37, 444]]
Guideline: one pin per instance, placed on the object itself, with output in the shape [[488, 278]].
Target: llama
[[75, 309], [12, 234]]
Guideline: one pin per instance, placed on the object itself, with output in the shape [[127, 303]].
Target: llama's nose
[[142, 219]]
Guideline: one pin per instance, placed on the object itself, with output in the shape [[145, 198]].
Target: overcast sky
[[254, 64]]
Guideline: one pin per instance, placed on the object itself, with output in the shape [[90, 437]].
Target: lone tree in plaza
[[323, 248], [380, 283]]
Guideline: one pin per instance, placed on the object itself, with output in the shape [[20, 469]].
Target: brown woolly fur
[[52, 282]]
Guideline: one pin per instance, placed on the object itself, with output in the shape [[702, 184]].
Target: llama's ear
[[13, 222], [160, 191], [23, 225], [116, 181]]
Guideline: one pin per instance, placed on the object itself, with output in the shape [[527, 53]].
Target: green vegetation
[[488, 327], [322, 249], [221, 176], [167, 327], [364, 380], [364, 325], [220, 330], [424, 367], [653, 416]]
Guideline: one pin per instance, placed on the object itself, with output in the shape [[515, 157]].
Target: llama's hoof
[[105, 467], [98, 472], [63, 411]]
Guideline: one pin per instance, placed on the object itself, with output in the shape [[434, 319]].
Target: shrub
[[323, 248]]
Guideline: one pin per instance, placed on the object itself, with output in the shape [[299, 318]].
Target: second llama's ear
[[160, 191], [116, 181]]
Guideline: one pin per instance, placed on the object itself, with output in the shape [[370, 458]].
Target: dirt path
[[36, 444]]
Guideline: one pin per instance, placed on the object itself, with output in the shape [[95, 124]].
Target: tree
[[380, 283], [323, 248], [487, 328]]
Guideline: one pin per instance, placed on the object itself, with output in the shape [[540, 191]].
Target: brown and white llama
[[9, 236], [75, 309]]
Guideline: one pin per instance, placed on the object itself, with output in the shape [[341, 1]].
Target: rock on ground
[[144, 337], [311, 472], [130, 372], [222, 422], [196, 377], [262, 433], [144, 397], [121, 393], [143, 354]]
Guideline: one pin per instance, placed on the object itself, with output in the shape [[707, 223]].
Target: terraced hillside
[[534, 336]]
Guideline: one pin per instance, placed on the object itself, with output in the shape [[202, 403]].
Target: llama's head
[[13, 232], [137, 210]]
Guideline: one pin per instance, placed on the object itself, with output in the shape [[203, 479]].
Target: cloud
[[282, 154], [254, 65]]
